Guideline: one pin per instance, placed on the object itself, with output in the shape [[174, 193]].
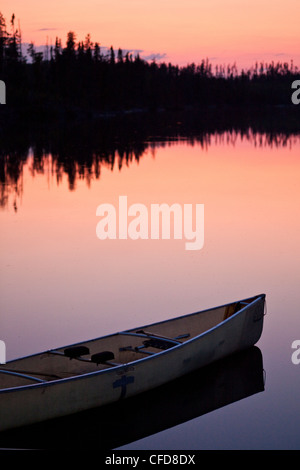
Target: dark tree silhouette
[[81, 77]]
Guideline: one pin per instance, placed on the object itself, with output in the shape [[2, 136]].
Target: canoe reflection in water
[[226, 381]]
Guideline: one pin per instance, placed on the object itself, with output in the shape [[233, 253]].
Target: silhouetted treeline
[[83, 76]]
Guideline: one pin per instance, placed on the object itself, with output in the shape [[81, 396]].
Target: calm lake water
[[61, 284]]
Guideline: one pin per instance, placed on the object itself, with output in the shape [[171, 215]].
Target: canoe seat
[[103, 357], [76, 351]]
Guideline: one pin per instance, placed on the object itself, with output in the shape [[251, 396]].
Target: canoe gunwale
[[130, 332]]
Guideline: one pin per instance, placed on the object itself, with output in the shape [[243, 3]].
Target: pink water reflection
[[61, 284]]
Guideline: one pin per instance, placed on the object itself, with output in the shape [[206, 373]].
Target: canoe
[[94, 373]]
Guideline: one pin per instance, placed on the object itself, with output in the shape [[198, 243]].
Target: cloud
[[134, 52], [155, 56], [47, 29]]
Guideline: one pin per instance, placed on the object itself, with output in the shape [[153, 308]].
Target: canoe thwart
[[167, 338], [159, 343], [152, 340], [162, 340], [136, 349], [21, 375], [156, 343]]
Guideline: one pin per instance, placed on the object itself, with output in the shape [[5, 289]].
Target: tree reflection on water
[[79, 150]]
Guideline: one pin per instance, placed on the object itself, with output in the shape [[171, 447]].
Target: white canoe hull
[[26, 404]]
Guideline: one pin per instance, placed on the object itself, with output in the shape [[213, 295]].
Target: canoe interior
[[123, 348]]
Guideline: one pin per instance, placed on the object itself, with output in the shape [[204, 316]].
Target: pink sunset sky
[[177, 31]]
